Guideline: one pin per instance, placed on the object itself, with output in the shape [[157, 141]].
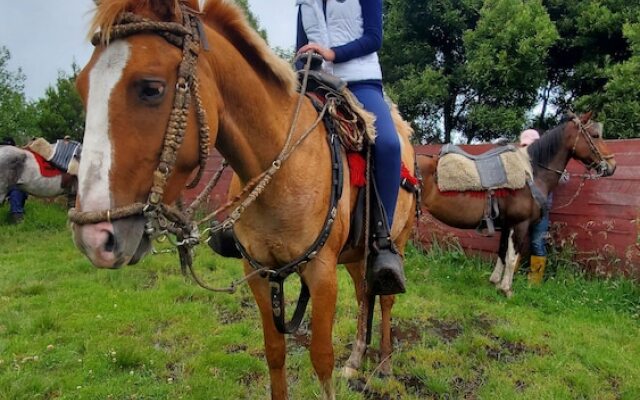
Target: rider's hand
[[327, 54]]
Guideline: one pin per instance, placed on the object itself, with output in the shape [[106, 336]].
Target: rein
[[163, 220]]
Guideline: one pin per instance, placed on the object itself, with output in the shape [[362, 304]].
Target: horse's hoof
[[349, 373], [507, 292], [493, 280]]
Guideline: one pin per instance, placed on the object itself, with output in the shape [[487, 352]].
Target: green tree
[[591, 44], [16, 117], [423, 60], [506, 56], [60, 111], [470, 66], [621, 98]]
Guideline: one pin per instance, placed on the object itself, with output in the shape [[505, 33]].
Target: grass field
[[69, 331]]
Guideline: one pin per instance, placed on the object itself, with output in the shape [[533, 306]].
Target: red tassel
[[357, 167]]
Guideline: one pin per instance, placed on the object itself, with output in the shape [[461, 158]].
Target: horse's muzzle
[[98, 243], [606, 168], [111, 245]]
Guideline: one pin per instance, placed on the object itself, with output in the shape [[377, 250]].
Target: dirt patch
[[407, 333], [359, 385], [521, 385], [301, 338], [505, 351], [249, 378], [417, 386], [482, 322], [235, 348], [448, 331], [229, 317], [467, 388]]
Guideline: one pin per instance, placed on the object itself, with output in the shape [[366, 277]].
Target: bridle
[[161, 218], [600, 162]]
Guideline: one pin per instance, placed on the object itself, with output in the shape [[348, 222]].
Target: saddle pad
[[508, 170], [47, 169]]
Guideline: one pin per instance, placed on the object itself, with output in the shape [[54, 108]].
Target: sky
[[45, 37]]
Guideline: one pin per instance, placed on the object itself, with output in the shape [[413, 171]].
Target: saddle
[[498, 171], [63, 155], [504, 167]]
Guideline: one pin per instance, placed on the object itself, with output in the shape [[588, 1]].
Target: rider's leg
[[386, 151], [385, 272]]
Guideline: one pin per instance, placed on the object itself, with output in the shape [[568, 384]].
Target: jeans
[[538, 232], [386, 151], [17, 198]]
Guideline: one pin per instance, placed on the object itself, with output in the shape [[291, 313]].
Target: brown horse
[[580, 138], [245, 94]]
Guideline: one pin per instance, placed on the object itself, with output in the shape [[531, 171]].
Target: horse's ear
[[166, 10], [584, 118]]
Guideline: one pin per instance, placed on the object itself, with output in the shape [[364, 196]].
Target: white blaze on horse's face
[[94, 192], [95, 165]]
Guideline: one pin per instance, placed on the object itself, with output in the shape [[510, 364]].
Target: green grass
[[69, 331]]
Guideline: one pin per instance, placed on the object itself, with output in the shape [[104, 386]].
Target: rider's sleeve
[[371, 39]]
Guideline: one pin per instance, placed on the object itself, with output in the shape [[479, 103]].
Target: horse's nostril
[[110, 245]]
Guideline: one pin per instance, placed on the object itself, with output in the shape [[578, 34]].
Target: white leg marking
[[497, 272], [95, 164], [511, 258]]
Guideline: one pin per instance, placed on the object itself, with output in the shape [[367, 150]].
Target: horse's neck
[[548, 176], [255, 120]]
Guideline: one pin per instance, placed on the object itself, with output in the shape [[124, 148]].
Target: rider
[[538, 230], [348, 34], [17, 197]]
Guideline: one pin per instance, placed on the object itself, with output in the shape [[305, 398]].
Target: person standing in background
[[17, 198], [537, 230]]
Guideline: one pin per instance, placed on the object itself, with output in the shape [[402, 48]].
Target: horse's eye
[[151, 91]]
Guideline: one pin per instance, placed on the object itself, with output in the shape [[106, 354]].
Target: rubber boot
[[538, 264]]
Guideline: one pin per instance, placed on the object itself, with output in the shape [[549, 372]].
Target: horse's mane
[[543, 150], [108, 11], [230, 21], [222, 15]]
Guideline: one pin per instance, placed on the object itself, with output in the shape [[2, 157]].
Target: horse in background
[[151, 89], [580, 139], [20, 167]]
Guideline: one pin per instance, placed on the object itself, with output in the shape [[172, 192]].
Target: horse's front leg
[[496, 276], [386, 344], [512, 258], [353, 364], [274, 343], [321, 278]]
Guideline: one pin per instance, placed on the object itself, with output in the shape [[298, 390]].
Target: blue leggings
[[386, 151], [17, 198]]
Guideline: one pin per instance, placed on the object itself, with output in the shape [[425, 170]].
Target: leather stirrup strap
[[277, 305], [491, 211]]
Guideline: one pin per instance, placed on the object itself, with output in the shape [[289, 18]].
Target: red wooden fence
[[600, 219]]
